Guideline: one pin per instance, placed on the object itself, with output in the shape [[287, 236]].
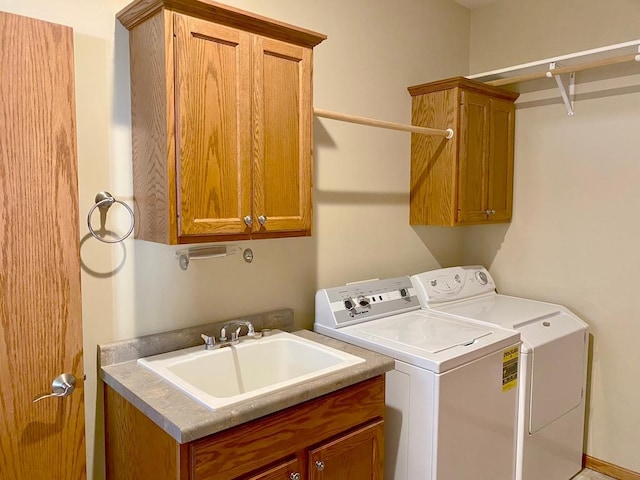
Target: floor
[[587, 474]]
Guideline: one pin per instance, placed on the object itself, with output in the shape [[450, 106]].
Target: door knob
[[295, 476], [319, 465], [262, 219], [248, 220], [62, 386]]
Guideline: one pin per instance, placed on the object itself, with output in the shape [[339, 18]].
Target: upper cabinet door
[[474, 157], [282, 123], [500, 194], [213, 127]]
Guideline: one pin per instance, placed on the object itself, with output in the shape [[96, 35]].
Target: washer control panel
[[450, 284], [356, 302]]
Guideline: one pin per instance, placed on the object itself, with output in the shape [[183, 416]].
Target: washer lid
[[427, 333], [428, 339]]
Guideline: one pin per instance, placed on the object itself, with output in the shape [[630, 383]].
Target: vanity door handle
[[62, 386], [295, 476], [319, 465]]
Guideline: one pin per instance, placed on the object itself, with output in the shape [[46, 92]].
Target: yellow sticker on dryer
[[510, 368]]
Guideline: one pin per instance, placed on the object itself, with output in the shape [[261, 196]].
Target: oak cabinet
[[339, 435], [468, 179], [221, 113], [288, 470], [354, 455]]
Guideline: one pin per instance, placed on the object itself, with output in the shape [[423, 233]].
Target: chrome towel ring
[[104, 200]]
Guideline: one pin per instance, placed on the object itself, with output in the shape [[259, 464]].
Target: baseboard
[[609, 469]]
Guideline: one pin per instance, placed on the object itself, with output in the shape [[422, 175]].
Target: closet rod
[[343, 117], [579, 67]]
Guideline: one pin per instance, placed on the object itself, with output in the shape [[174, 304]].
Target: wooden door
[[213, 139], [501, 150], [355, 456], [282, 125], [473, 161], [40, 304]]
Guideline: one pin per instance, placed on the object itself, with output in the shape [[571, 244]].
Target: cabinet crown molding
[[465, 83], [139, 10]]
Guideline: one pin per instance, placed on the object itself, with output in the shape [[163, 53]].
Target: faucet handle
[[209, 342]]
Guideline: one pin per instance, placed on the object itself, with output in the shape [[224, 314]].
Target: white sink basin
[[254, 367]]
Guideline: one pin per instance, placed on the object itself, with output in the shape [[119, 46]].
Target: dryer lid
[[502, 310]]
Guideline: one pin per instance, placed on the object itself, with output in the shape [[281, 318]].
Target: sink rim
[[158, 365]]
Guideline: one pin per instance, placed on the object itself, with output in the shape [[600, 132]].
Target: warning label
[[510, 368]]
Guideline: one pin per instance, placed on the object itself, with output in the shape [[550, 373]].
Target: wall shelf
[[614, 68]]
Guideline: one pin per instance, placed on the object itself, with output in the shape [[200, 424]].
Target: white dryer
[[452, 397], [553, 365]]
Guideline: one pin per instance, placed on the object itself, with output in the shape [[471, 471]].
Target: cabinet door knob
[[248, 220], [262, 219], [295, 476], [319, 465]]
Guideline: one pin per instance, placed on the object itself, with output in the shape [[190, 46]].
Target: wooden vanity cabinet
[[221, 113], [468, 179], [353, 455], [339, 435]]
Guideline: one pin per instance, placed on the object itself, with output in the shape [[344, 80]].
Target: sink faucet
[[210, 341], [235, 335]]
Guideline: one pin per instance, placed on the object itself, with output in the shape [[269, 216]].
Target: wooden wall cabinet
[[222, 115], [469, 179], [339, 435]]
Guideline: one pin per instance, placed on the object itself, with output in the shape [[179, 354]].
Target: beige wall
[[575, 202], [511, 32], [575, 237], [374, 51]]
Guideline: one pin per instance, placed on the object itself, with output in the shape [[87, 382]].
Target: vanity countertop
[[187, 420]]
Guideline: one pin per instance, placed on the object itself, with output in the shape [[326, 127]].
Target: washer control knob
[[482, 278], [348, 303], [363, 301], [404, 292]]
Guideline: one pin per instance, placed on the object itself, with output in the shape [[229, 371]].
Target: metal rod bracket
[[567, 96]]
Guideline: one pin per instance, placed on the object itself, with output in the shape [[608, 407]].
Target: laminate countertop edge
[[187, 420]]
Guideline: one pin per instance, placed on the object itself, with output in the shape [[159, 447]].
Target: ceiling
[[473, 3]]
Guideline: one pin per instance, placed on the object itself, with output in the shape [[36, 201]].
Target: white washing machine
[[553, 365], [452, 397]]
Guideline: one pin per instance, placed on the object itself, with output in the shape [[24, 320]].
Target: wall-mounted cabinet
[[466, 180], [222, 118]]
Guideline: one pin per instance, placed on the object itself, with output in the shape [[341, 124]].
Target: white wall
[[374, 51], [574, 236]]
